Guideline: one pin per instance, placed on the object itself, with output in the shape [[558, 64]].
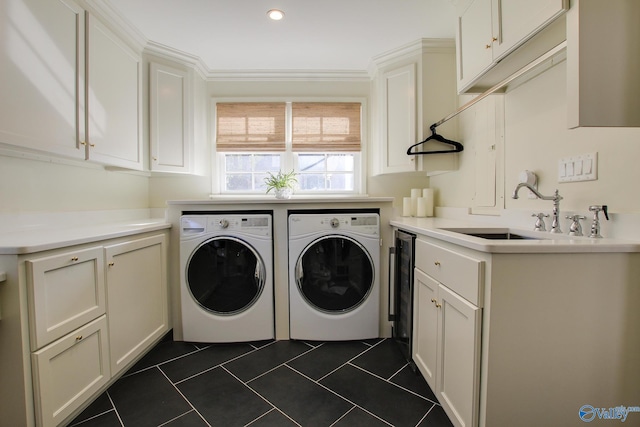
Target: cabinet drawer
[[460, 273], [66, 291], [69, 371]]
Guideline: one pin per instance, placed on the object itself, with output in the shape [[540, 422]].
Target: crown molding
[[116, 22], [416, 47], [288, 75]]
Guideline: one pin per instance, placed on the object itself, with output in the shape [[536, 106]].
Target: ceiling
[[236, 35]]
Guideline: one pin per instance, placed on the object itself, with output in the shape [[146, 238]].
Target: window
[[321, 141]]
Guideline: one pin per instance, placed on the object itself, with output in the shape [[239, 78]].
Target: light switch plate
[[583, 167]]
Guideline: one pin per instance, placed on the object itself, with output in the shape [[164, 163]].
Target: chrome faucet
[[555, 215]]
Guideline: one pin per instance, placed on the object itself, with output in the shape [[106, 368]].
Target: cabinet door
[[113, 99], [136, 297], [69, 371], [42, 70], [515, 21], [65, 291], [458, 370], [425, 326], [474, 40], [169, 118], [398, 103]]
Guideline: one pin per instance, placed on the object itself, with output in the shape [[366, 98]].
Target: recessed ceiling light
[[275, 14]]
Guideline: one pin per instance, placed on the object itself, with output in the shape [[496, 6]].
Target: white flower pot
[[283, 193]]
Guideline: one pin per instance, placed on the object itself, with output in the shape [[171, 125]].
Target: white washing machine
[[226, 284], [334, 280]]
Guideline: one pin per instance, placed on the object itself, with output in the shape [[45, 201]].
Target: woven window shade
[[325, 126], [250, 126]]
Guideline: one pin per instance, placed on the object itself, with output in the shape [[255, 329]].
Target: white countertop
[[270, 199], [540, 242], [24, 241]]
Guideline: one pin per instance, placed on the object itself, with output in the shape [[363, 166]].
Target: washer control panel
[[256, 224]]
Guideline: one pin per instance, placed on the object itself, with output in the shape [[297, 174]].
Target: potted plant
[[283, 183]]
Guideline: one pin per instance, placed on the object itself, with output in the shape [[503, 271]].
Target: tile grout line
[[115, 409], [389, 382], [276, 367], [260, 396], [426, 415], [215, 366], [355, 405], [353, 358], [197, 350], [184, 397]]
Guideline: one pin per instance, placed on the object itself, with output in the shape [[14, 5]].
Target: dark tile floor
[[274, 383]]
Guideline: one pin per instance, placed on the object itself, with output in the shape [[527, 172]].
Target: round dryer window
[[334, 274], [225, 275]]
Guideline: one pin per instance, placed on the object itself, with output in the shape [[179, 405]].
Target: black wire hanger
[[434, 136]]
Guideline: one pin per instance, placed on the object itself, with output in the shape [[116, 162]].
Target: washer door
[[334, 274], [225, 275]]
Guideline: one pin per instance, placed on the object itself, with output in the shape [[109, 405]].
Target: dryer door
[[225, 275], [334, 274]]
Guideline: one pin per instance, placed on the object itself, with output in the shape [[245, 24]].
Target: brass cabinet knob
[[111, 264], [79, 338], [437, 263], [74, 259]]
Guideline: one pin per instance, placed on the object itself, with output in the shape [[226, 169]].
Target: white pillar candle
[[427, 194], [422, 207], [406, 206], [416, 192]]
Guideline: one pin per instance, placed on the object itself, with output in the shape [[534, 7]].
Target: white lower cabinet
[[447, 332], [136, 297], [69, 371], [73, 320]]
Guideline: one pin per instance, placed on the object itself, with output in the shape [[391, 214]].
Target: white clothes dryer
[[334, 280], [226, 284]]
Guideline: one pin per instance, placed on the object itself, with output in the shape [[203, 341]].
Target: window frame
[[288, 158]]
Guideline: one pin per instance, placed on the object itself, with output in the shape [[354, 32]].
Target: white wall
[[163, 188], [54, 185], [536, 136]]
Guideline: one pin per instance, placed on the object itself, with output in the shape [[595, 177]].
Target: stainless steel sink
[[492, 233]]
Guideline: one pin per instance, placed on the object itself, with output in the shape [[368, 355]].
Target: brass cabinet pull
[[79, 338], [433, 300], [437, 263], [74, 259], [111, 264], [439, 305]]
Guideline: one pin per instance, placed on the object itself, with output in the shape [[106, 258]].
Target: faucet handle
[[540, 225], [575, 229], [599, 208]]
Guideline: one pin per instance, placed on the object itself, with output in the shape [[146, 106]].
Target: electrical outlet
[[583, 167]]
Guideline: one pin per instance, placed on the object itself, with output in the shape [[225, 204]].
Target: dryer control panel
[[363, 223]]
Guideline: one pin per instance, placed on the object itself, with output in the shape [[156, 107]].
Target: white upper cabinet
[[169, 119], [41, 76], [490, 30], [68, 86], [114, 94], [603, 63], [413, 88]]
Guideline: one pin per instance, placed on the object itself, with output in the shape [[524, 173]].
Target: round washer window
[[225, 275], [334, 274]]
